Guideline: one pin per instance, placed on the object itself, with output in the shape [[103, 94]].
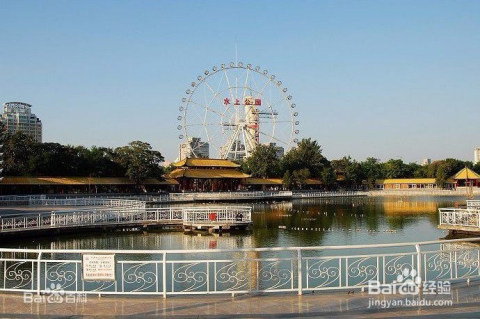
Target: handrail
[[233, 271], [180, 197]]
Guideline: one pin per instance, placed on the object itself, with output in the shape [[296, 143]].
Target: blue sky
[[388, 79]]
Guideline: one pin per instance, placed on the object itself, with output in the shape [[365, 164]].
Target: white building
[[426, 161], [194, 147], [18, 117], [476, 155]]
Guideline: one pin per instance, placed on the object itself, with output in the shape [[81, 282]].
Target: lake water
[[313, 222]]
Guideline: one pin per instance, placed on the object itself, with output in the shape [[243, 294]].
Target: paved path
[[466, 304]]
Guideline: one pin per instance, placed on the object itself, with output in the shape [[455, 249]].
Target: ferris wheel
[[232, 108]]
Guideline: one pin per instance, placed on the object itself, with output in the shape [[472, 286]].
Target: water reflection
[[311, 222]]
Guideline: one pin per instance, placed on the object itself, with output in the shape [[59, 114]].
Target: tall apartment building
[[476, 155], [18, 117], [426, 161], [194, 147]]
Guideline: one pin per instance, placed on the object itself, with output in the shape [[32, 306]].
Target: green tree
[[395, 168], [351, 169], [18, 152], [372, 171], [441, 175], [476, 167], [263, 162], [288, 181], [300, 177], [140, 160], [329, 177], [307, 155]]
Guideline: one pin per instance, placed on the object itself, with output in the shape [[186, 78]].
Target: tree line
[[23, 156], [307, 161]]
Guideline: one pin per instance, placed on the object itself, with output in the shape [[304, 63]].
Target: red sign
[[258, 102]]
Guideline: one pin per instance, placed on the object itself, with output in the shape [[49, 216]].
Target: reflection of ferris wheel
[[234, 108]]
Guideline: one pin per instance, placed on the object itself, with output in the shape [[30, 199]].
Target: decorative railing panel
[[123, 216], [282, 269], [464, 217]]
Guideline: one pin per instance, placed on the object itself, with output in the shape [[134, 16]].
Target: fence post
[[420, 271], [164, 275], [300, 276], [39, 272]]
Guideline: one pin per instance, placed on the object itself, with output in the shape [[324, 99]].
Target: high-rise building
[[18, 117], [194, 147], [476, 155], [426, 161], [237, 151]]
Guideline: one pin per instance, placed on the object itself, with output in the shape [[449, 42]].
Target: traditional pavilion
[[207, 174], [466, 177]]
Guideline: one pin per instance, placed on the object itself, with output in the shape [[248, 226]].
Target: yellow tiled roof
[[466, 173], [19, 180], [207, 173], [206, 162], [263, 181], [406, 181], [314, 181], [276, 181]]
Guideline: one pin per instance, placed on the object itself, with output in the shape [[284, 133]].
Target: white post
[[164, 275], [419, 265], [299, 266], [38, 272]]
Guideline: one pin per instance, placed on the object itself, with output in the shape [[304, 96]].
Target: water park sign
[[98, 267]]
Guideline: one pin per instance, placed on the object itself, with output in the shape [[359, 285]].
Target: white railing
[[92, 200], [328, 194], [86, 202], [464, 217], [473, 203], [228, 195], [415, 192], [211, 271], [217, 214], [116, 216]]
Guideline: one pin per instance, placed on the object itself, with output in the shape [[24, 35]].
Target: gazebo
[[466, 177], [207, 174]]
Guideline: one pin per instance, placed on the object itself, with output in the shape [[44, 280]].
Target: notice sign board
[[98, 267]]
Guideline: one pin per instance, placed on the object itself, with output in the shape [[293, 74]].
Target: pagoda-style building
[[207, 175], [466, 177]]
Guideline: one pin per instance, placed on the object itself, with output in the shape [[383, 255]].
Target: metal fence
[[464, 217], [86, 202], [280, 269], [120, 216], [218, 214], [328, 194], [473, 203], [92, 200]]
